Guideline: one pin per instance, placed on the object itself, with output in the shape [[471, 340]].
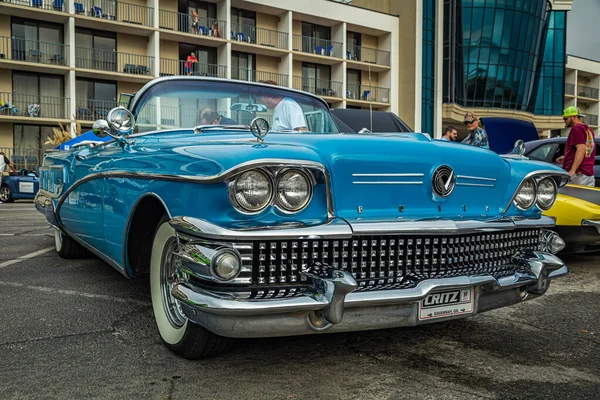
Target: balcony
[[91, 110], [112, 61], [170, 67], [586, 91], [32, 51], [312, 45], [259, 76], [367, 93], [24, 158], [260, 36], [320, 87], [53, 5], [570, 89], [115, 11], [181, 22], [592, 119], [33, 106], [368, 55]]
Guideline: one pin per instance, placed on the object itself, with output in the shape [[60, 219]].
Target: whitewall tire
[[68, 248]]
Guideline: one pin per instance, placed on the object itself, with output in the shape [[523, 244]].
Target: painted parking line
[[76, 293], [27, 256]]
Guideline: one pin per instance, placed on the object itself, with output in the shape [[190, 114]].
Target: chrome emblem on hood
[[443, 181]]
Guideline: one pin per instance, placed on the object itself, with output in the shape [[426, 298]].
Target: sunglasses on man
[[469, 122]]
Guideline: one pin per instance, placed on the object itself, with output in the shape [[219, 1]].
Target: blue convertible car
[[21, 185], [249, 231]]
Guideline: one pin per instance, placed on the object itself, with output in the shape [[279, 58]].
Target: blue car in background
[[247, 231], [22, 185]]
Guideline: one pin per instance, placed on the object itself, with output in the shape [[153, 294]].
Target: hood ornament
[[443, 181], [260, 128]]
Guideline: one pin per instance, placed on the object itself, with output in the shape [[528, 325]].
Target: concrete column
[[155, 4], [70, 92], [224, 52], [154, 51], [439, 69]]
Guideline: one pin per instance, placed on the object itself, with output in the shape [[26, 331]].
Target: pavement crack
[[40, 339]]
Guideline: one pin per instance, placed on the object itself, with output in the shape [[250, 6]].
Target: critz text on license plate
[[447, 303]]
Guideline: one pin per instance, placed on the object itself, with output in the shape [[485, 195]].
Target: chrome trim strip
[[589, 222], [475, 184], [387, 175], [339, 228], [540, 175], [388, 183], [475, 178]]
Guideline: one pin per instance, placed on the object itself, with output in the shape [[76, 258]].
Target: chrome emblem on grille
[[443, 181]]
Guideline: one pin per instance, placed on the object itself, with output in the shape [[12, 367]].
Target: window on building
[[34, 41], [41, 95], [28, 142], [353, 43], [206, 56], [314, 35], [94, 98], [243, 66], [316, 78], [353, 82], [243, 17], [95, 49], [204, 9], [428, 77]]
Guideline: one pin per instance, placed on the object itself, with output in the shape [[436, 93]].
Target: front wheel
[[180, 335], [68, 248], [6, 195]]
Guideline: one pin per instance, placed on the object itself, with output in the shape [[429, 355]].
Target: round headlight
[[526, 196], [294, 190], [252, 190], [546, 193], [226, 265]]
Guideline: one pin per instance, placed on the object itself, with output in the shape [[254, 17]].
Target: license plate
[[448, 303], [26, 187]]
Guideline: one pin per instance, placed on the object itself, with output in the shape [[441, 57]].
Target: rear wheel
[[6, 195], [180, 335], [68, 248]]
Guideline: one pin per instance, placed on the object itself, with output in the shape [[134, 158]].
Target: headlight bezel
[[232, 192], [537, 200], [559, 178], [310, 183], [534, 199]]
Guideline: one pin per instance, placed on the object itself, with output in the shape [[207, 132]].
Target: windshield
[[190, 103]]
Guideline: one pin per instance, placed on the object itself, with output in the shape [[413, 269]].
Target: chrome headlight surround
[[235, 196], [546, 204], [280, 199], [520, 200]]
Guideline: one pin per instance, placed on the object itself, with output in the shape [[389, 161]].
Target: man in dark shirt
[[208, 116], [580, 150]]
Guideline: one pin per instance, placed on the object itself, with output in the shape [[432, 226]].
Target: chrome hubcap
[[169, 276], [4, 193]]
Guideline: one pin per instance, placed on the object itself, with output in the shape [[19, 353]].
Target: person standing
[[4, 163], [580, 150], [450, 134], [477, 135], [287, 113], [189, 63]]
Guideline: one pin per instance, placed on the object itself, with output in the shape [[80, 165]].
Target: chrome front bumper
[[330, 304]]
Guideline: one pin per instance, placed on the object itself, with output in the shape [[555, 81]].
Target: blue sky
[[583, 30]]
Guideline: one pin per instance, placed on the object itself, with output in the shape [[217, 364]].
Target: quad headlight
[[251, 191], [525, 198], [294, 191], [546, 193]]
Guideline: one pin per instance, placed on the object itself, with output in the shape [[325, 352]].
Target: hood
[[372, 176], [504, 132]]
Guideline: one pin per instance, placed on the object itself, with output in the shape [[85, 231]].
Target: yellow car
[[577, 214]]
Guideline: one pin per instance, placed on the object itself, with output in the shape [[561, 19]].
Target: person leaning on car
[[580, 150], [4, 162], [449, 134], [477, 135], [287, 113]]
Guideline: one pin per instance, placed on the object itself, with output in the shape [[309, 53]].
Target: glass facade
[[428, 90], [493, 52], [551, 90]]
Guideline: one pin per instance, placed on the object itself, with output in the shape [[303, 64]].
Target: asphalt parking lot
[[78, 329]]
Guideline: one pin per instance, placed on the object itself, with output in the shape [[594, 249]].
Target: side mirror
[[119, 123], [519, 147], [101, 128]]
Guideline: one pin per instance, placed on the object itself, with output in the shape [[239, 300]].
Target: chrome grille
[[390, 262]]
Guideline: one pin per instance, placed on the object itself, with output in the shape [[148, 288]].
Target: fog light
[[226, 265], [551, 242]]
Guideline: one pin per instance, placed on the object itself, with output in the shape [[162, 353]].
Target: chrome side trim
[[474, 184], [339, 228], [387, 175], [563, 175], [388, 183], [475, 178]]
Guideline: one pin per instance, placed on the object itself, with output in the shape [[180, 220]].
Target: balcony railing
[[259, 76], [368, 55], [260, 36], [116, 11], [24, 158], [170, 67], [54, 5], [570, 89], [181, 22], [33, 106], [307, 44], [105, 60], [91, 110], [33, 51], [592, 119], [586, 91], [320, 87], [367, 93]]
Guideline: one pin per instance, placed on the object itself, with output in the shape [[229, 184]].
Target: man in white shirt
[[4, 162], [287, 114]]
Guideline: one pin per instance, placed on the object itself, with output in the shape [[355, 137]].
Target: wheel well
[[141, 233]]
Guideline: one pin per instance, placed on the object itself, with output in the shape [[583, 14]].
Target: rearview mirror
[[248, 107]]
